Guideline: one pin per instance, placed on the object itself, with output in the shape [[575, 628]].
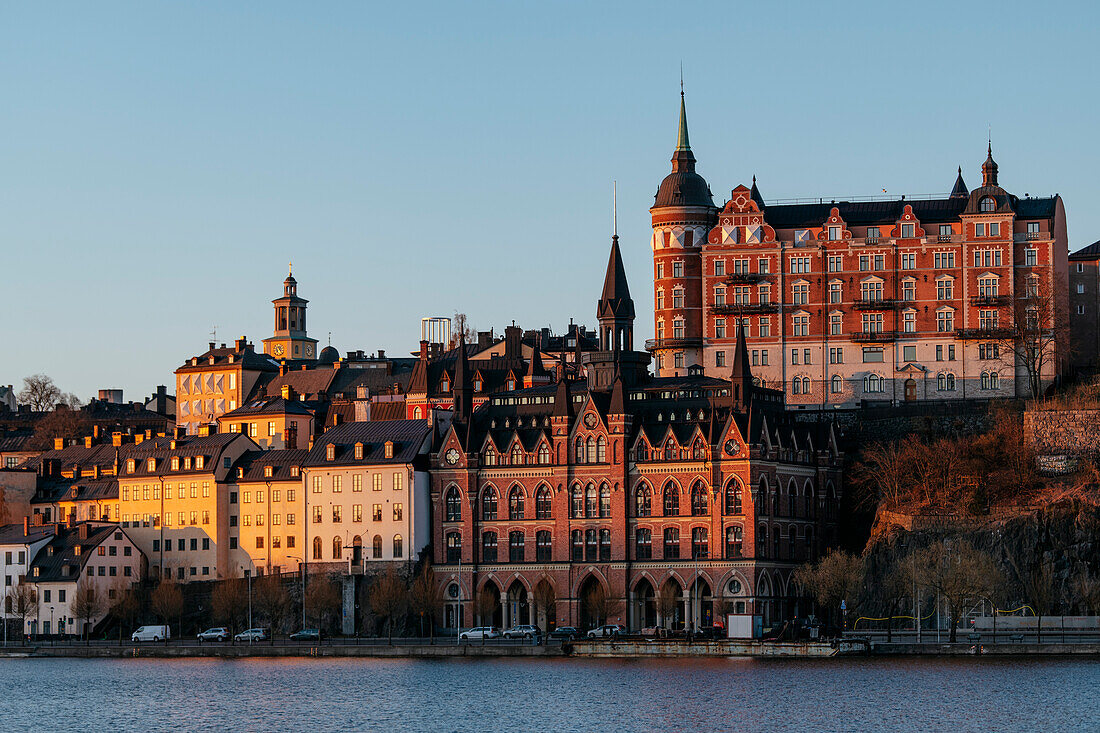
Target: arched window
[[733, 498], [643, 544], [810, 509], [775, 499], [601, 449], [734, 537], [516, 547], [489, 504], [376, 547], [515, 503], [810, 555], [670, 452], [543, 503], [398, 547], [543, 548], [576, 542], [640, 452], [605, 545], [672, 543], [874, 383], [700, 547], [985, 380], [318, 548], [698, 500], [590, 450], [417, 414], [454, 505], [578, 452], [762, 541], [488, 546], [605, 501], [490, 456], [837, 384], [591, 545], [792, 542], [577, 502], [763, 494], [987, 204], [337, 548], [672, 500], [697, 451], [454, 547], [544, 454], [517, 455], [591, 502], [994, 380], [950, 382], [792, 496], [642, 501]]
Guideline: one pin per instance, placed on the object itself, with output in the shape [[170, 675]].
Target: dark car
[[306, 635], [565, 633]]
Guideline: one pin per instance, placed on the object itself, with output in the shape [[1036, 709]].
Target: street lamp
[[248, 575], [301, 571]]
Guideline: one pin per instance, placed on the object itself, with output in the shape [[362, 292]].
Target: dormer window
[[131, 464], [76, 550], [445, 385], [294, 472], [268, 471], [511, 384], [358, 451], [35, 573], [240, 471], [330, 452], [199, 462], [151, 464], [187, 464], [389, 449], [175, 463], [478, 385], [987, 204]]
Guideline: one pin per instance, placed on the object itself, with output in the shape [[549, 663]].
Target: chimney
[[423, 349], [161, 404], [139, 438], [95, 432], [95, 471], [116, 439], [512, 348], [148, 434], [58, 443], [26, 526], [83, 532], [88, 441], [180, 432], [287, 392], [381, 353], [70, 518], [211, 346], [241, 343]]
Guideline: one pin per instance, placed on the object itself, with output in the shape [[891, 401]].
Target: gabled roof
[[12, 534], [1091, 252], [268, 406], [60, 551], [254, 463], [407, 436], [248, 358]]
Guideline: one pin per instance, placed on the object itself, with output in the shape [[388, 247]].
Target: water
[[550, 694]]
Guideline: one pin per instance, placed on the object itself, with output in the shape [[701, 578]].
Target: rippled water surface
[[550, 694]]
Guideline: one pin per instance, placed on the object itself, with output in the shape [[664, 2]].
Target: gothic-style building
[[615, 496]]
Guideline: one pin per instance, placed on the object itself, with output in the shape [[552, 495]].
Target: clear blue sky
[[160, 163]]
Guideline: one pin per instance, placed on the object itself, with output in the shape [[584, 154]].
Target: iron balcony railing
[[983, 333], [875, 304], [737, 309], [875, 336], [682, 343], [989, 300]]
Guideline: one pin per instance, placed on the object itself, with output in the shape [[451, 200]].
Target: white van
[[152, 633]]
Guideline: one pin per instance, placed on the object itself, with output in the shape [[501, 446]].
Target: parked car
[[523, 631], [480, 632], [152, 633], [607, 631], [252, 635], [306, 635], [565, 633], [218, 633]]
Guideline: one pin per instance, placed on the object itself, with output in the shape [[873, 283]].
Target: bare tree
[[885, 474], [461, 329], [23, 600], [167, 602], [124, 603], [544, 601], [322, 600], [1086, 590], [273, 602], [86, 606], [389, 598], [426, 599], [960, 573], [667, 601], [1037, 583], [39, 393], [64, 423], [834, 578], [229, 603], [601, 606], [1038, 334], [485, 605]]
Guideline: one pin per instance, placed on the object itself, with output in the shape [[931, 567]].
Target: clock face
[[732, 447], [309, 350], [452, 456], [278, 350], [590, 419]]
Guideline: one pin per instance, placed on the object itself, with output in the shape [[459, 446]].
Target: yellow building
[[272, 422], [217, 382], [270, 513]]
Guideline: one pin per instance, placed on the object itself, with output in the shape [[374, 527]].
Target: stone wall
[[1063, 432]]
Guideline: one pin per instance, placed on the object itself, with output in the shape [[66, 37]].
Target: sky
[[162, 163]]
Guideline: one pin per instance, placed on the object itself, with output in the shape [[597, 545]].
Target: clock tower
[[290, 340]]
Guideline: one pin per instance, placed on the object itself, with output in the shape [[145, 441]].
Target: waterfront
[[550, 694]]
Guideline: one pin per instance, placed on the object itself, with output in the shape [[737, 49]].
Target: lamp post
[[302, 572], [248, 575]]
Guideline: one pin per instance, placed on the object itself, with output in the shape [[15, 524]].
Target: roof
[[276, 406], [408, 438], [12, 534], [51, 564], [254, 462], [225, 356], [1091, 252]]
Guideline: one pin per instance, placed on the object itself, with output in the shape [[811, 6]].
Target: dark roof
[[407, 436], [683, 188], [247, 357], [14, 442], [615, 299], [387, 410], [1091, 252], [275, 406], [254, 462], [51, 563], [959, 190], [13, 534]]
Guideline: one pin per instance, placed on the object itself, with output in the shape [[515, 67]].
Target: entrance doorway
[[910, 390]]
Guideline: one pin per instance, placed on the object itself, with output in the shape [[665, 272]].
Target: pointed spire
[[563, 402], [536, 371], [463, 399], [989, 168], [754, 193], [741, 375], [615, 286], [618, 397], [682, 142], [959, 190]]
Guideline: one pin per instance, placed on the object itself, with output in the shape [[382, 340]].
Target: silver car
[[480, 633], [218, 633], [252, 635], [523, 631]]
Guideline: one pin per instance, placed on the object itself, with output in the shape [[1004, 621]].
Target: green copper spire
[[682, 143]]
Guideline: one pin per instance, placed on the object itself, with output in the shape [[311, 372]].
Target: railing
[[970, 334], [989, 300], [1030, 236], [875, 336], [746, 278], [735, 309], [682, 343], [875, 304]]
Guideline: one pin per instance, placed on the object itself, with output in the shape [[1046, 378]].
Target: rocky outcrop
[[1063, 432]]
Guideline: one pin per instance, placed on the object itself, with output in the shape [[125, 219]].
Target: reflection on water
[[550, 694]]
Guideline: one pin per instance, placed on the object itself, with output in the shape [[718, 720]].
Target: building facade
[[854, 302], [621, 497], [1084, 303]]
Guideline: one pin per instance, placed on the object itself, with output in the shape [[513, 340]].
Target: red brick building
[[849, 302], [674, 497]]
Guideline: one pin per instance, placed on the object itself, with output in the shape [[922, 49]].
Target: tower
[[683, 212], [289, 340], [616, 358]]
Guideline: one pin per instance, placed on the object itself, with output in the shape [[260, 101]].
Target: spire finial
[[682, 142], [615, 209], [290, 269]]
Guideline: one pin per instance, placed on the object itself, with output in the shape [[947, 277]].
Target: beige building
[[268, 522], [217, 382], [272, 422]]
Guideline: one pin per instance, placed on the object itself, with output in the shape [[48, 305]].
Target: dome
[[683, 188], [328, 355]]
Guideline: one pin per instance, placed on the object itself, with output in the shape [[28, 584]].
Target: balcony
[[989, 300], [1030, 236], [746, 278], [875, 336], [737, 309], [943, 238], [686, 343], [875, 304], [982, 334]]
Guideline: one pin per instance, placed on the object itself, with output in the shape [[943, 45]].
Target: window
[[874, 383], [945, 320], [987, 204], [337, 484], [945, 382], [605, 545], [836, 384], [762, 266], [909, 352], [836, 263], [643, 544], [660, 270], [317, 548], [677, 297], [515, 547], [642, 501], [872, 322], [733, 498], [873, 233], [871, 290], [398, 510], [699, 545], [1031, 257], [356, 513], [800, 293], [836, 292], [945, 288], [677, 269], [488, 546], [698, 500], [605, 501], [577, 545], [672, 543], [376, 512], [720, 328], [591, 506], [908, 261], [1033, 230], [987, 320], [591, 545], [834, 234], [836, 324], [376, 547], [989, 351], [720, 295], [719, 358], [454, 547], [544, 454], [864, 262], [489, 504], [671, 500], [836, 355], [944, 260], [576, 505], [376, 482], [542, 546], [515, 503], [678, 328], [719, 268], [801, 325], [909, 322], [800, 265], [872, 354]]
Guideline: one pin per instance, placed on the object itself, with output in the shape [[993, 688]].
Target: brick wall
[[1070, 432]]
